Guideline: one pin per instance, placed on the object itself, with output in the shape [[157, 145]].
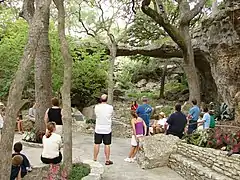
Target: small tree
[[66, 88], [108, 26]]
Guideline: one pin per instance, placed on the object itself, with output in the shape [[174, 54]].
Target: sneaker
[[132, 160], [127, 159], [135, 158]]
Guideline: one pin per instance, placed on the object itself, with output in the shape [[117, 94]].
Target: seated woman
[[20, 123], [159, 123], [51, 145]]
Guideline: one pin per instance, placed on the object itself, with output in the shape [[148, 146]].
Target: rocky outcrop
[[156, 151], [216, 48]]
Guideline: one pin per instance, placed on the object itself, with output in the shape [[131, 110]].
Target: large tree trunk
[[66, 89], [113, 54], [43, 76], [189, 66], [16, 89]]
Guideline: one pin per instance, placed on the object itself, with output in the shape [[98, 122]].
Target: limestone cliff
[[216, 47]]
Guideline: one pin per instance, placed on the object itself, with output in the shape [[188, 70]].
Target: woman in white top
[[160, 123], [51, 145]]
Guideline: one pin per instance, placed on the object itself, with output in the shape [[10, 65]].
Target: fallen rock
[[141, 83], [156, 150]]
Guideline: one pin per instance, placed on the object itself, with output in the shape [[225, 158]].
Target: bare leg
[[131, 153], [96, 151], [107, 152], [135, 152], [19, 126], [19, 175]]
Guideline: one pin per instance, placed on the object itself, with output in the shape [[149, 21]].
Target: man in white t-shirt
[[103, 128]]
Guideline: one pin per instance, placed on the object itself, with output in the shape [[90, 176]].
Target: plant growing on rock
[[224, 112]]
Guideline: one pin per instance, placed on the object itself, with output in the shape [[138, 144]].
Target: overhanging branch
[[164, 51], [159, 18]]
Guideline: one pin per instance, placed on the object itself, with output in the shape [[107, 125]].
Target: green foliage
[[90, 121], [79, 171], [215, 138], [175, 87], [12, 42], [89, 76], [138, 95]]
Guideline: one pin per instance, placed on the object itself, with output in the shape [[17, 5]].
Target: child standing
[[200, 122], [138, 127], [25, 165]]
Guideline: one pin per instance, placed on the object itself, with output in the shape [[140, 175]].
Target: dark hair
[[205, 109], [50, 128], [17, 147], [194, 101], [201, 115], [55, 102], [178, 107], [134, 114]]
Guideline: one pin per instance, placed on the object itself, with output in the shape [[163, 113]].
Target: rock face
[[88, 112], [156, 151]]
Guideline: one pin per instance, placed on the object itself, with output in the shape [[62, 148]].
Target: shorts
[[134, 141], [105, 138], [55, 160]]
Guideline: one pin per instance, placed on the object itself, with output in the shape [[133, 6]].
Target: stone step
[[193, 170]]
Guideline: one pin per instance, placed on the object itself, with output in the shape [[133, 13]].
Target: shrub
[[215, 138], [79, 171]]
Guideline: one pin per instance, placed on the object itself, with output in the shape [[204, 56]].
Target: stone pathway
[[120, 170]]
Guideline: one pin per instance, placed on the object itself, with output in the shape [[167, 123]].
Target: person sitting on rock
[[16, 167], [32, 113], [25, 165], [20, 123], [159, 123], [54, 114], [139, 129], [177, 122], [51, 145]]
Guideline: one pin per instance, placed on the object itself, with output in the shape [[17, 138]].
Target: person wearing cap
[[144, 111], [103, 128]]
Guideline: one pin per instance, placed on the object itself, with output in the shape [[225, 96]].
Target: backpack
[[212, 121]]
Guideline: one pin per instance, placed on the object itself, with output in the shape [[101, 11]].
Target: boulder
[[151, 85], [156, 150], [88, 112], [141, 83]]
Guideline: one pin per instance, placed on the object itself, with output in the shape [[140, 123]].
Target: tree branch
[[83, 25], [159, 18], [164, 51], [27, 10], [195, 11]]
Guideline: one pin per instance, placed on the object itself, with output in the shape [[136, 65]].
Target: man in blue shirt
[[194, 112], [144, 111]]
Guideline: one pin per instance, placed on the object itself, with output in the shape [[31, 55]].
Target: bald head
[[104, 98]]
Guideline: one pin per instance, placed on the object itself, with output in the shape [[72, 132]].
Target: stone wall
[[200, 163]]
